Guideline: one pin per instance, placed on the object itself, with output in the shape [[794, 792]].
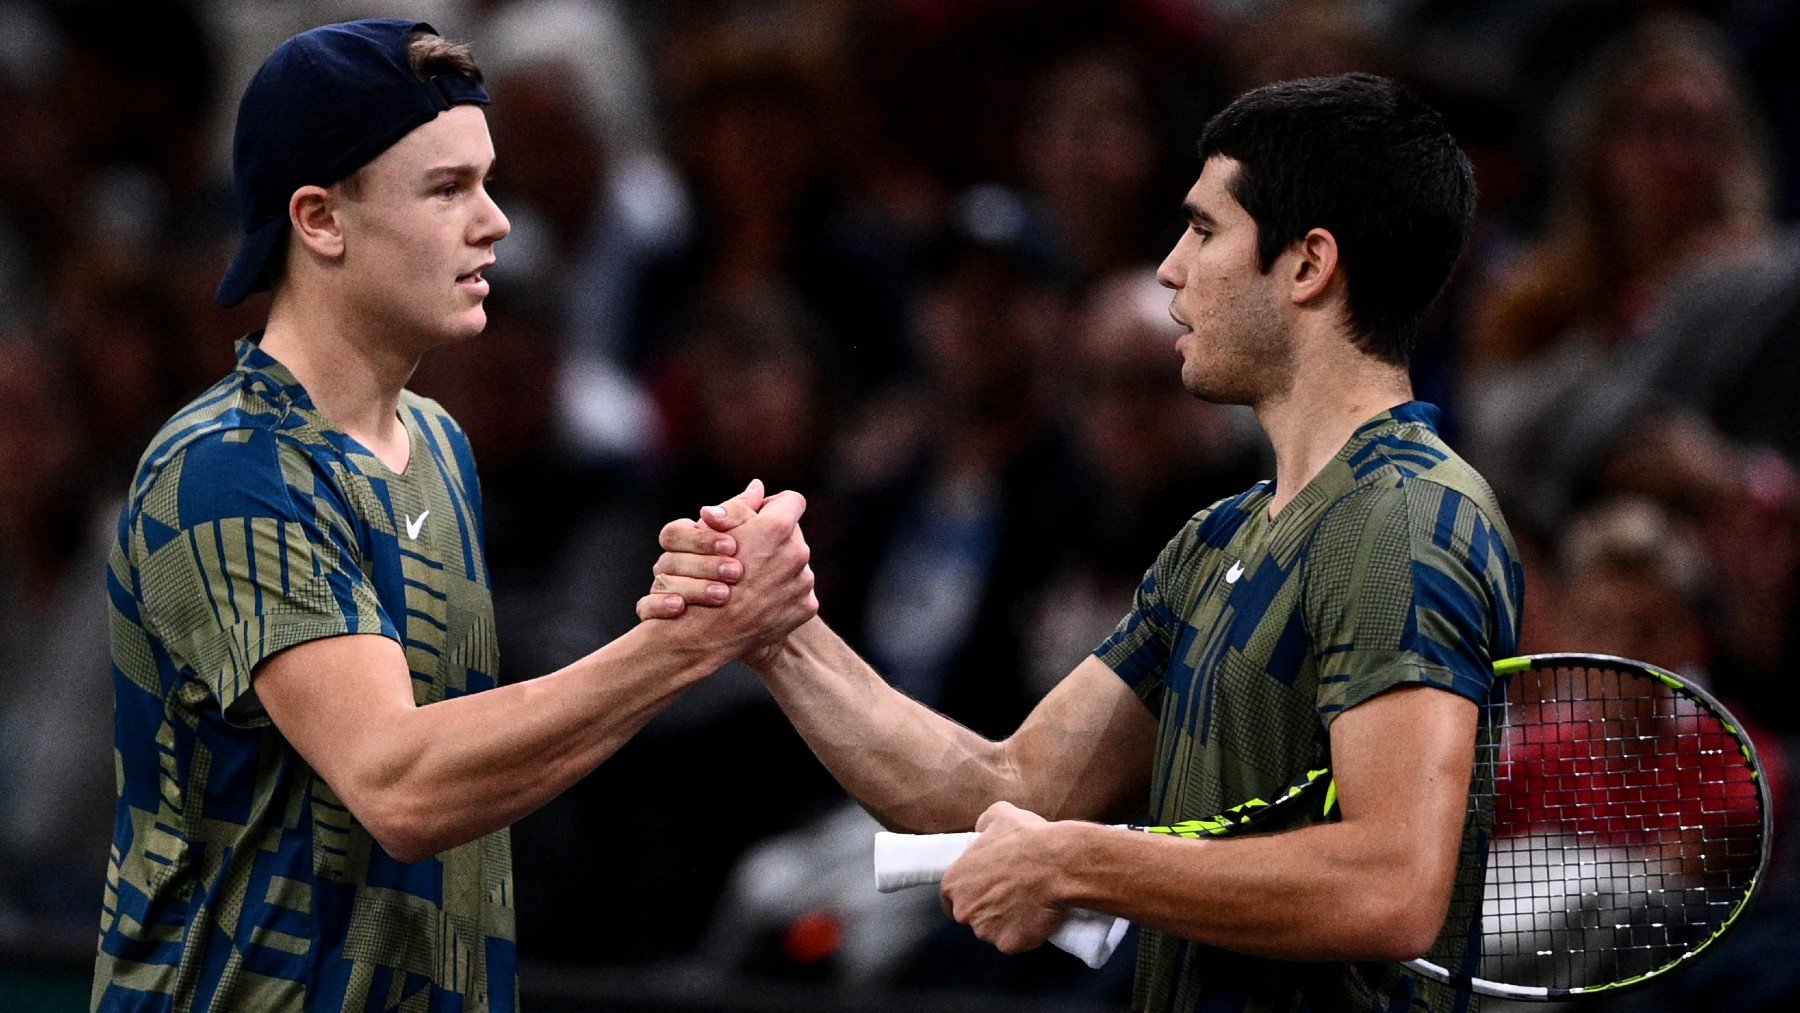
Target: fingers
[[684, 564], [694, 537], [660, 606], [735, 510], [992, 813], [785, 506], [692, 590]]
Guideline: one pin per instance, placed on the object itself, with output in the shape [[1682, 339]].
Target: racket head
[[1622, 823]]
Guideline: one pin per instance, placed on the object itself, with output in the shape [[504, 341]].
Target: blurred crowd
[[899, 255]]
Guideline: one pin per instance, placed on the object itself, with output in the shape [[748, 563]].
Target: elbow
[[1410, 937], [1401, 924], [405, 844], [398, 823]]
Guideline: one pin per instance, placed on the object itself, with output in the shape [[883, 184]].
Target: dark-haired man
[[316, 768], [1346, 613]]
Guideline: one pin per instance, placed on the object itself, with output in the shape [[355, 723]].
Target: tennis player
[[1345, 613], [315, 766]]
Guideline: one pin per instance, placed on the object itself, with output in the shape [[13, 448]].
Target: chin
[[465, 326], [1213, 389]]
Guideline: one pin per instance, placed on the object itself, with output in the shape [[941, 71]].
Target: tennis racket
[[1617, 812]]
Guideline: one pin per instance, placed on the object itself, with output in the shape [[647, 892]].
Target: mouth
[[1186, 328], [473, 280]]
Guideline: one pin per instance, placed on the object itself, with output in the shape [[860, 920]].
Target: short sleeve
[[1408, 583], [243, 551], [1140, 648]]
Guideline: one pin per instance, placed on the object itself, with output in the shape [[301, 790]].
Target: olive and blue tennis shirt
[[1249, 636], [238, 879]]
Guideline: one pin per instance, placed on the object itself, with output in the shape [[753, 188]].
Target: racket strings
[[1617, 823]]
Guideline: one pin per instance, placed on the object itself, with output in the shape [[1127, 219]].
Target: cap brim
[[249, 269]]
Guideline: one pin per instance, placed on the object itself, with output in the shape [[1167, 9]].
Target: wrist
[[771, 660], [1065, 846], [692, 641]]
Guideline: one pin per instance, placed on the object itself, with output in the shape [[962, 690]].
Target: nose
[[492, 224], [1166, 273]]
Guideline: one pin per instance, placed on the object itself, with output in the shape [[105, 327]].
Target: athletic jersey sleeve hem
[[247, 644], [1401, 668]]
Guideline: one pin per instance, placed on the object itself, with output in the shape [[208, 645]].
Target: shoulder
[[1397, 513], [1410, 464], [232, 452]]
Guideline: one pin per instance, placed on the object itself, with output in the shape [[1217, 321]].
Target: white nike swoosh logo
[[1236, 571], [414, 527]]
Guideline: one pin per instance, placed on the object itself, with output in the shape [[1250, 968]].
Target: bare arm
[[1084, 752], [425, 779], [1375, 885]]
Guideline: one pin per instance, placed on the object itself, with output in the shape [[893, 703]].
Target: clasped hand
[[746, 561], [1003, 886]]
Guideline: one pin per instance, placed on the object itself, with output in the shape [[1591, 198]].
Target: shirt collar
[[1415, 412], [263, 370]]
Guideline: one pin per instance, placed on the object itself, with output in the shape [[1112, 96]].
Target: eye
[[448, 190], [1204, 234]]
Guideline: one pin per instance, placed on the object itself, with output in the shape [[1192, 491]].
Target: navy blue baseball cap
[[324, 105]]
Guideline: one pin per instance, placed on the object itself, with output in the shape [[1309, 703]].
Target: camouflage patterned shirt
[[1249, 636], [238, 879]]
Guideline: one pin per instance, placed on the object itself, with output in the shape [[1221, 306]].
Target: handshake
[[747, 564]]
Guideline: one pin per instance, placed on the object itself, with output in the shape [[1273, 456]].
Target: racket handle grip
[[906, 860]]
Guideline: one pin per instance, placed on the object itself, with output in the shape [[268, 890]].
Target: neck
[[353, 372], [1335, 389]]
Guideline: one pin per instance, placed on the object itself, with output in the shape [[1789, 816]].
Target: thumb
[[735, 510], [753, 494], [994, 812], [786, 505]]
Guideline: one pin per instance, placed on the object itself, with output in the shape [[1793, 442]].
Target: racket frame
[[1509, 667]]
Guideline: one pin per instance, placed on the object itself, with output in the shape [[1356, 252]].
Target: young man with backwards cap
[[315, 766]]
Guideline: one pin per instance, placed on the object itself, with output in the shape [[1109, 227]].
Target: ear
[[1314, 268], [313, 213]]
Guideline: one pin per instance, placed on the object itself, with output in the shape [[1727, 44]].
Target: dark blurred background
[[898, 254]]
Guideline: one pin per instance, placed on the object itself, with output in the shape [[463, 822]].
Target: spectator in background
[[952, 522], [1663, 172], [1145, 453], [1089, 158], [55, 712], [762, 362], [591, 198], [1288, 39], [1636, 583], [765, 148], [1647, 348], [124, 334]]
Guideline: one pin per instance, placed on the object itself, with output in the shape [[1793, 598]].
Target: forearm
[[1328, 892], [910, 766], [452, 771]]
